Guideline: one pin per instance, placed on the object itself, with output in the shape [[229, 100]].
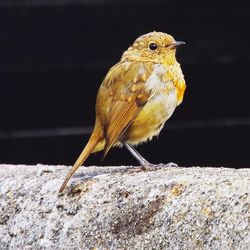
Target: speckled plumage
[[137, 96]]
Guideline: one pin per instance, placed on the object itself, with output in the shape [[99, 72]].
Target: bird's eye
[[153, 46]]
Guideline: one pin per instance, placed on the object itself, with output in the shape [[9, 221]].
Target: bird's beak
[[176, 44]]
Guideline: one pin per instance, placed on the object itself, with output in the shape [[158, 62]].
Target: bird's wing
[[128, 98]]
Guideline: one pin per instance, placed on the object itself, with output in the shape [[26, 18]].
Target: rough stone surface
[[118, 208]]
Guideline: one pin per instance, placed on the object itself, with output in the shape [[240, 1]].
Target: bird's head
[[155, 46]]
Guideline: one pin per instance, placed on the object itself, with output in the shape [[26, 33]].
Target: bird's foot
[[152, 167], [169, 165]]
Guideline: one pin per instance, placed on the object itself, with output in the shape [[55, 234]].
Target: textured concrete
[[117, 208]]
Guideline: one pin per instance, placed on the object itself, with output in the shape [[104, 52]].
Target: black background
[[54, 55]]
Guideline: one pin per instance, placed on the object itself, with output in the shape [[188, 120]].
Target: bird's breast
[[165, 79], [160, 106], [152, 117]]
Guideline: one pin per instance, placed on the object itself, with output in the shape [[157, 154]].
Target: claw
[[171, 164], [152, 167]]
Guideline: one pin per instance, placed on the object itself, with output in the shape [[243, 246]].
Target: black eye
[[153, 46]]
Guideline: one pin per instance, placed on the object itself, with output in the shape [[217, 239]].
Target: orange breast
[[181, 87], [167, 87], [174, 73]]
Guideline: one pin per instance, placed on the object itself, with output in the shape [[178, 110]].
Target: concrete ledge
[[116, 208]]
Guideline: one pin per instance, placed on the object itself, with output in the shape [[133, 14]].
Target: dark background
[[54, 55]]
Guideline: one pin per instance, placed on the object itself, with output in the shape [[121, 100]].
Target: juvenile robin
[[136, 98]]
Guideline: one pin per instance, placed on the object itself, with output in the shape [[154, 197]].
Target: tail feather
[[89, 148]]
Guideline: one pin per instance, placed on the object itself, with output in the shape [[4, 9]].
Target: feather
[[130, 96]]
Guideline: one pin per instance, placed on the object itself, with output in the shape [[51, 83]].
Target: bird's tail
[[91, 147]]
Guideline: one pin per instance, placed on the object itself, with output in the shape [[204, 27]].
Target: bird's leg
[[143, 162]]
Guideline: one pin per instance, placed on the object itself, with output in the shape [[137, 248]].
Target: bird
[[135, 99]]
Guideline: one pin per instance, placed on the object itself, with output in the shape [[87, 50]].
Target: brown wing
[[125, 85], [123, 113]]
